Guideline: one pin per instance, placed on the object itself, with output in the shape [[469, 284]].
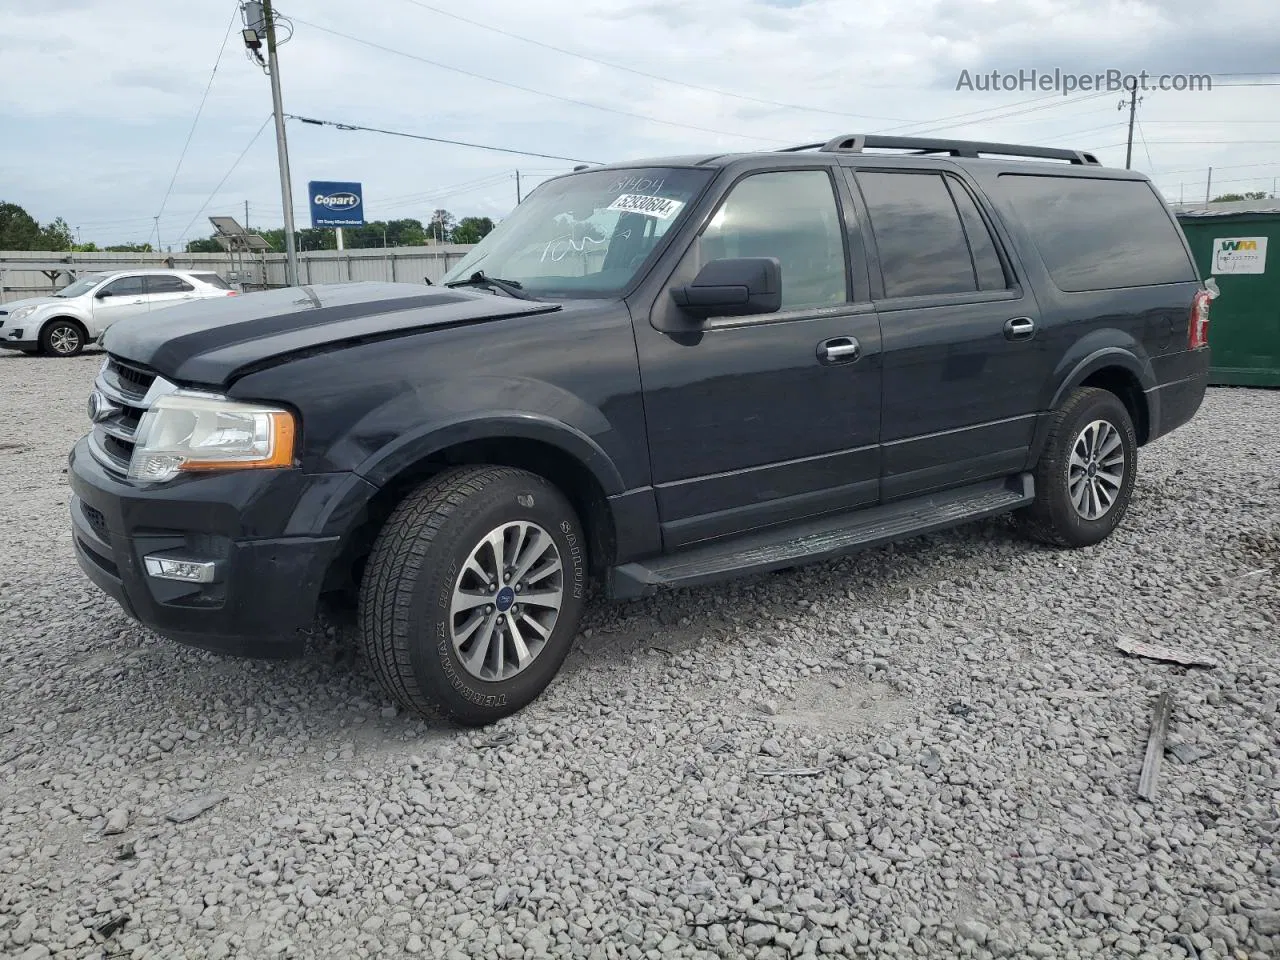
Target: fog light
[[191, 571]]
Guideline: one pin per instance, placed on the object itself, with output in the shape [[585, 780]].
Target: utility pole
[[517, 188], [246, 217], [157, 220], [282, 148], [1207, 184], [1134, 100]]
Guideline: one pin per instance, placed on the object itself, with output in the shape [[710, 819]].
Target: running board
[[821, 538]]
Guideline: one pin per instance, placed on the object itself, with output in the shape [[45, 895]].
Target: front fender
[[419, 423]]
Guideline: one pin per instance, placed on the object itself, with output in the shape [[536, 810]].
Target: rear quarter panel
[[1140, 328]]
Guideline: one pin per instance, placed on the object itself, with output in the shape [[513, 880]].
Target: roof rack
[[925, 146]]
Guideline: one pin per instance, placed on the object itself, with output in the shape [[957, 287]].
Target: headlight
[[194, 432], [22, 312]]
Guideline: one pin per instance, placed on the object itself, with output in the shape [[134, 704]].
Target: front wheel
[[62, 338], [1085, 476], [472, 594]]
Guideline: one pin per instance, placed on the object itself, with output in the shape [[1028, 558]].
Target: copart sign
[[336, 204]]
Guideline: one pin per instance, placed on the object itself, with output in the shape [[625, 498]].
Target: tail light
[[232, 293], [1198, 329]]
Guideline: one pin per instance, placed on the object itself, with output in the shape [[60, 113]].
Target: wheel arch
[[70, 318], [1119, 371], [582, 473]]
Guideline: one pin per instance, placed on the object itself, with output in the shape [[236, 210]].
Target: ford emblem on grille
[[100, 408]]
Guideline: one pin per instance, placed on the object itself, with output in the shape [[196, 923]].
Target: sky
[[96, 133]]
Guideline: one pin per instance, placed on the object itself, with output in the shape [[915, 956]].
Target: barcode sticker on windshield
[[658, 207]]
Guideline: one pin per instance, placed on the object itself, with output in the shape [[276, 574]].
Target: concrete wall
[[33, 273]]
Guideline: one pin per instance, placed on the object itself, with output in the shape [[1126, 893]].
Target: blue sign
[[336, 204]]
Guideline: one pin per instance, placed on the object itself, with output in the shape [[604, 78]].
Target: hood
[[211, 341], [12, 305]]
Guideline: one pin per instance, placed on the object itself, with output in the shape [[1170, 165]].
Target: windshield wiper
[[512, 288]]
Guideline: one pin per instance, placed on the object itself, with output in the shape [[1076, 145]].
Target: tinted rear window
[[1099, 234], [213, 280], [918, 234]]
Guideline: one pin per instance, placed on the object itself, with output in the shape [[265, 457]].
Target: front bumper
[[264, 588], [13, 336]]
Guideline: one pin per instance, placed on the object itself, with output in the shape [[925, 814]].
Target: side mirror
[[103, 294], [733, 288]]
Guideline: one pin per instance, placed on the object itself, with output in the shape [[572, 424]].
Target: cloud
[[853, 67]]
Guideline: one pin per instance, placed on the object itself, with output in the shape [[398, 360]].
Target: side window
[[1099, 234], [791, 215], [986, 262], [918, 234], [213, 280], [125, 287], [165, 283]]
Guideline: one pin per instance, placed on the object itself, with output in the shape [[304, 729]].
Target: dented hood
[[212, 341]]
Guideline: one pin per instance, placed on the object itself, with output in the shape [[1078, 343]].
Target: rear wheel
[[472, 594], [1085, 476], [62, 338]]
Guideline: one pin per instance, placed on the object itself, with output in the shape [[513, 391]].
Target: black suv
[[654, 374]]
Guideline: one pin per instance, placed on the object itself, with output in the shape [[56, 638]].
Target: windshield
[[83, 285], [587, 234]]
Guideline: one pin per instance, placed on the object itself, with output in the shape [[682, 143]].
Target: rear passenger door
[[165, 290], [963, 364]]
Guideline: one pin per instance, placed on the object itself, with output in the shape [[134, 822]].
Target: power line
[[1002, 112], [642, 73], [1150, 163], [225, 176], [969, 113], [540, 93], [419, 136], [427, 194], [195, 120], [1232, 166]]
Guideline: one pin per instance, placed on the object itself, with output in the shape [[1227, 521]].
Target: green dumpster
[[1238, 243]]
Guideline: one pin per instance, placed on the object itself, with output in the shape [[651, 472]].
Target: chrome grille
[[129, 390]]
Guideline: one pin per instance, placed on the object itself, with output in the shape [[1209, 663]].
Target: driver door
[[766, 419], [122, 297]]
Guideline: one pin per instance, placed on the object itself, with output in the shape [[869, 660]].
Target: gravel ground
[[926, 750]]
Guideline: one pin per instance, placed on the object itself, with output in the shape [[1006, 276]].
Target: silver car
[[64, 323]]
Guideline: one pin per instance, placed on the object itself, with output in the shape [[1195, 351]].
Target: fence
[[33, 273]]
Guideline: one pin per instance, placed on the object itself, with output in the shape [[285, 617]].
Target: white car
[[64, 323]]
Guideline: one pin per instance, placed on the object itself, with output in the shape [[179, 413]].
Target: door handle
[[139, 301], [1019, 328], [839, 350]]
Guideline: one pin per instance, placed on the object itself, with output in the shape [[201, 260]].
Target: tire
[[62, 338], [427, 559], [1086, 424]]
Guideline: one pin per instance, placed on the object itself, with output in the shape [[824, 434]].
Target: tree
[[54, 236], [18, 229], [204, 245], [441, 225], [129, 248], [1251, 195], [472, 229]]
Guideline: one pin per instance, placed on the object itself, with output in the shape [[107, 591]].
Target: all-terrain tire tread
[[397, 558], [1036, 520]]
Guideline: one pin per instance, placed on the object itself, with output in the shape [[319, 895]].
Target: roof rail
[[859, 143]]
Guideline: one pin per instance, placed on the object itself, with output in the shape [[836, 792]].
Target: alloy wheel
[[506, 601]]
